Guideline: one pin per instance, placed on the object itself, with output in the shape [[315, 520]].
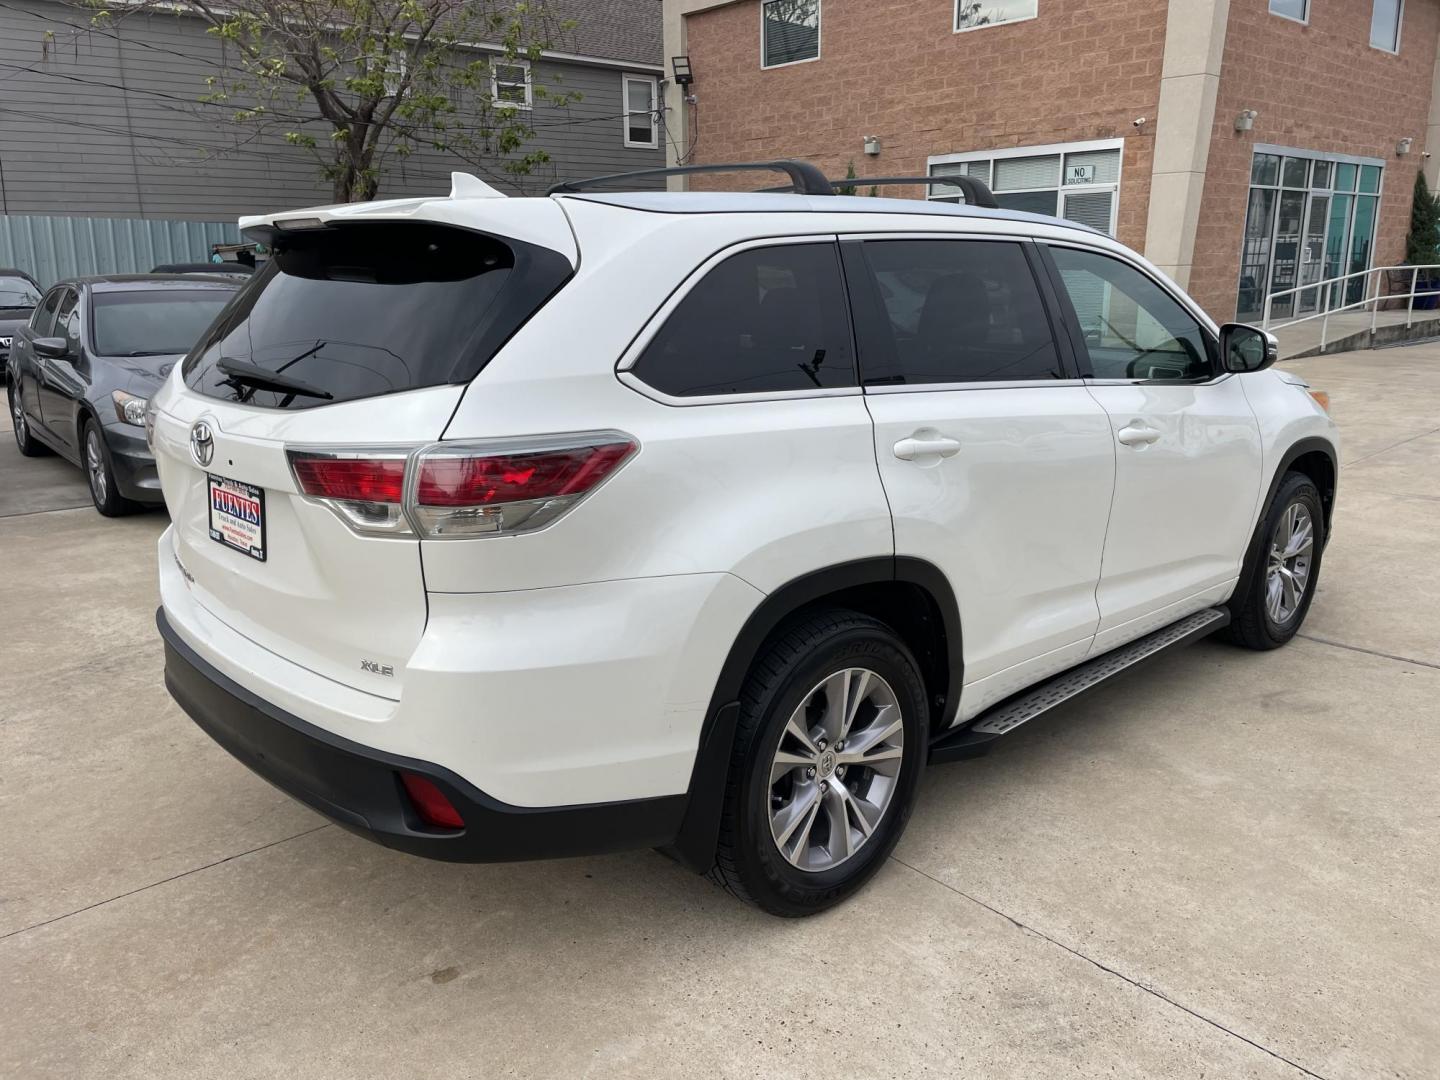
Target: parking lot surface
[[1226, 864]]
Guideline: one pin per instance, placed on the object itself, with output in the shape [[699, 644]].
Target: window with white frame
[[1385, 24], [642, 127], [789, 31], [1299, 10], [510, 83], [973, 14], [1076, 181]]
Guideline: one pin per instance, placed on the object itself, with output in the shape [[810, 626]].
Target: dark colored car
[[19, 294], [84, 366]]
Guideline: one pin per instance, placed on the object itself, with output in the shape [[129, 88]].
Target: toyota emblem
[[202, 443]]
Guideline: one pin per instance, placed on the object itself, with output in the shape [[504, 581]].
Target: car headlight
[[129, 408]]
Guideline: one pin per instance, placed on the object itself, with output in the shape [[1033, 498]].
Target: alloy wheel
[[836, 769], [1287, 574], [95, 465]]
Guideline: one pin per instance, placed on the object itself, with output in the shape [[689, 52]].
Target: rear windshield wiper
[[253, 375]]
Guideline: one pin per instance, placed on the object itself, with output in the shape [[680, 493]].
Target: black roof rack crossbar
[[805, 179], [976, 193]]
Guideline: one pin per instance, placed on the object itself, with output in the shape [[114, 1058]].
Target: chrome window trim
[[628, 359], [953, 387]]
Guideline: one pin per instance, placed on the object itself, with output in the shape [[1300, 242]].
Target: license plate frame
[[229, 516]]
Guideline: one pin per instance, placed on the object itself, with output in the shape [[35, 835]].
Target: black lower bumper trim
[[359, 788]]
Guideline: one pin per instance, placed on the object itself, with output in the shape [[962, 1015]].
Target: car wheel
[[1280, 584], [829, 747], [24, 439], [95, 457]]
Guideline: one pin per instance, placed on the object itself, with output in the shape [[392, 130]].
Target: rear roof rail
[[976, 193], [805, 179]]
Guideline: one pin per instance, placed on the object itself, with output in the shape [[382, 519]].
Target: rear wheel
[[95, 456], [1280, 585], [828, 753], [26, 441]]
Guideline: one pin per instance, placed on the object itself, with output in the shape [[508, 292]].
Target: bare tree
[[386, 77]]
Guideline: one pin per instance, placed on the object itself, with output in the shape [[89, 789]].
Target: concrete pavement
[[1227, 864]]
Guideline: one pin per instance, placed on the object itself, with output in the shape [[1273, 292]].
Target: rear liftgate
[[975, 738]]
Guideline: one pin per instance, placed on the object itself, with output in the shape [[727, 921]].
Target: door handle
[[926, 443], [1137, 433]]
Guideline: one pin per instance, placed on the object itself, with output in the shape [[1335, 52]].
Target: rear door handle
[[1137, 433], [926, 443]]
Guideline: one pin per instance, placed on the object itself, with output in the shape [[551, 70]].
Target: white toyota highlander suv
[[513, 528]]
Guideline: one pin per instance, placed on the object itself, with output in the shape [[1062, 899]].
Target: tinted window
[[67, 320], [1133, 328], [43, 321], [954, 311], [18, 293], [765, 320], [153, 322], [361, 310]]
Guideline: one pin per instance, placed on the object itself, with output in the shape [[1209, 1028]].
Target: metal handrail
[[1369, 296]]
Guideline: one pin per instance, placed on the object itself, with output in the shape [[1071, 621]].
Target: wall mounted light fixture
[[680, 65], [1404, 146], [1246, 120], [872, 145]]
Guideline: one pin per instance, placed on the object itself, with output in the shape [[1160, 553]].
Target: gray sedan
[[81, 371]]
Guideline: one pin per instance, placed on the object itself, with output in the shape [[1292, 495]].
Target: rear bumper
[[359, 787]]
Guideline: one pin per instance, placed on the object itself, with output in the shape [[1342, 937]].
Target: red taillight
[[430, 802], [376, 480], [453, 479]]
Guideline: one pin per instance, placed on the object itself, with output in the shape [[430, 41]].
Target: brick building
[[1241, 144]]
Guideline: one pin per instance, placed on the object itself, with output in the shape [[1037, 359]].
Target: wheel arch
[[912, 596], [1317, 459]]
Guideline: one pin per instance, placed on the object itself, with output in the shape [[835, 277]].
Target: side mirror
[[52, 348], [1247, 348]]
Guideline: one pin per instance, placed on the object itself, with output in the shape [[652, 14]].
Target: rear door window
[[953, 311], [360, 310], [766, 320]]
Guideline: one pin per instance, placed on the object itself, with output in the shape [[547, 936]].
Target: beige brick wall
[[1085, 70], [1318, 87]]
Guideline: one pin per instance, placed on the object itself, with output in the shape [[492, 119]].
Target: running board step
[[974, 739]]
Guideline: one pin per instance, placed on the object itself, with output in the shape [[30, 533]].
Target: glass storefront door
[[1309, 218]]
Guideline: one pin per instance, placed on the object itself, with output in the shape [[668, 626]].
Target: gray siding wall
[[105, 122]]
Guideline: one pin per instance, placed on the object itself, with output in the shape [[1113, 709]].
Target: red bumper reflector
[[430, 803]]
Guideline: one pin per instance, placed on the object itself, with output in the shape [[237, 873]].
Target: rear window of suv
[[360, 310]]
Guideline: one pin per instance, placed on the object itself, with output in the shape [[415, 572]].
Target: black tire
[[24, 439], [103, 492], [749, 864], [1252, 624]]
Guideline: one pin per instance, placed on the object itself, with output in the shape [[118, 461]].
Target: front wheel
[[24, 438], [1278, 588], [828, 752], [101, 474]]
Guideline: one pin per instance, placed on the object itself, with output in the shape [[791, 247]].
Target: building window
[[642, 128], [510, 83], [1309, 219], [789, 32], [973, 14], [1076, 181], [1299, 10], [1385, 24]]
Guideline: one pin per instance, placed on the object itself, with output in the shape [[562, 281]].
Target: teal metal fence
[[51, 248]]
